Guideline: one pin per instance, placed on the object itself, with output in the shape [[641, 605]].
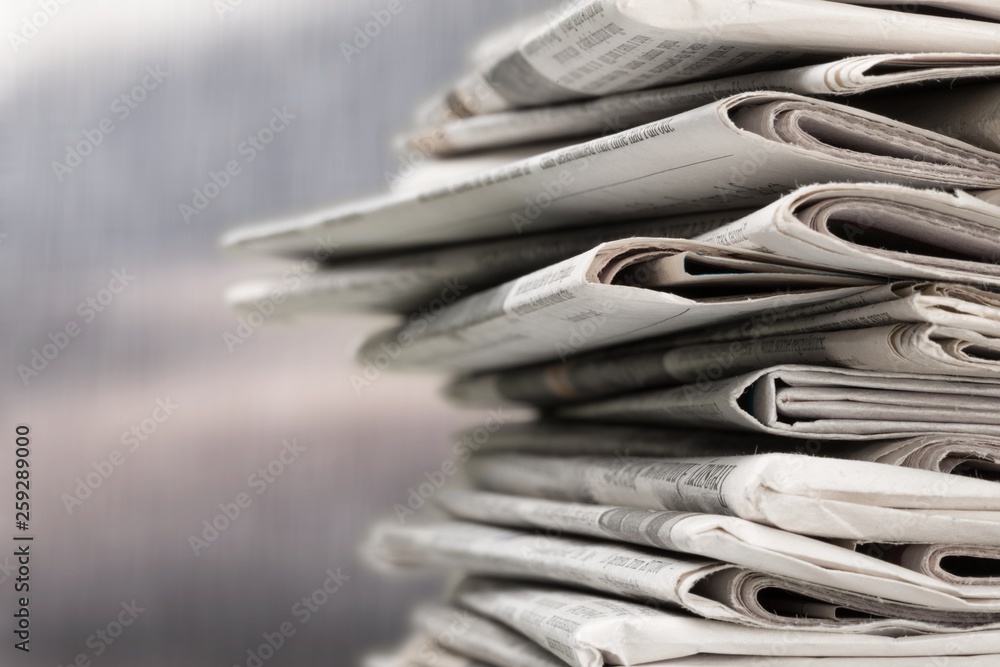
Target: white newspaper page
[[403, 283], [604, 297], [955, 454], [850, 76], [822, 497], [815, 401], [588, 630], [740, 542], [420, 650], [479, 638], [707, 588], [739, 152], [426, 173], [879, 229], [599, 47]]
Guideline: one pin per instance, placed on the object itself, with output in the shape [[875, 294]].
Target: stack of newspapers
[[741, 261]]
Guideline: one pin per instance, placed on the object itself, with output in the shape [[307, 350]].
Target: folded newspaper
[[647, 363], [405, 282], [965, 566], [606, 296], [965, 455], [815, 401], [822, 497], [866, 228], [708, 588], [918, 579], [910, 348], [857, 75], [470, 634], [739, 152], [877, 228], [946, 304], [421, 650], [598, 47], [588, 630], [473, 636]]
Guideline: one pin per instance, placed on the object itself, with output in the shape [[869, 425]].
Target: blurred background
[[143, 421]]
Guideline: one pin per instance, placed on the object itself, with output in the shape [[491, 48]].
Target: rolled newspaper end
[[815, 402], [964, 566]]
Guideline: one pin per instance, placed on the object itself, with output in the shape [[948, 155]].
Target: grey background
[[162, 336]]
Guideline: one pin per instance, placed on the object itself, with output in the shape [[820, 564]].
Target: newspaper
[[963, 566], [599, 47], [822, 497], [612, 294], [850, 76], [968, 113], [739, 152], [429, 172], [704, 587], [986, 8], [946, 304], [404, 282], [911, 348], [972, 456], [587, 630], [877, 228], [421, 650], [476, 637], [969, 456], [737, 541], [815, 401]]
